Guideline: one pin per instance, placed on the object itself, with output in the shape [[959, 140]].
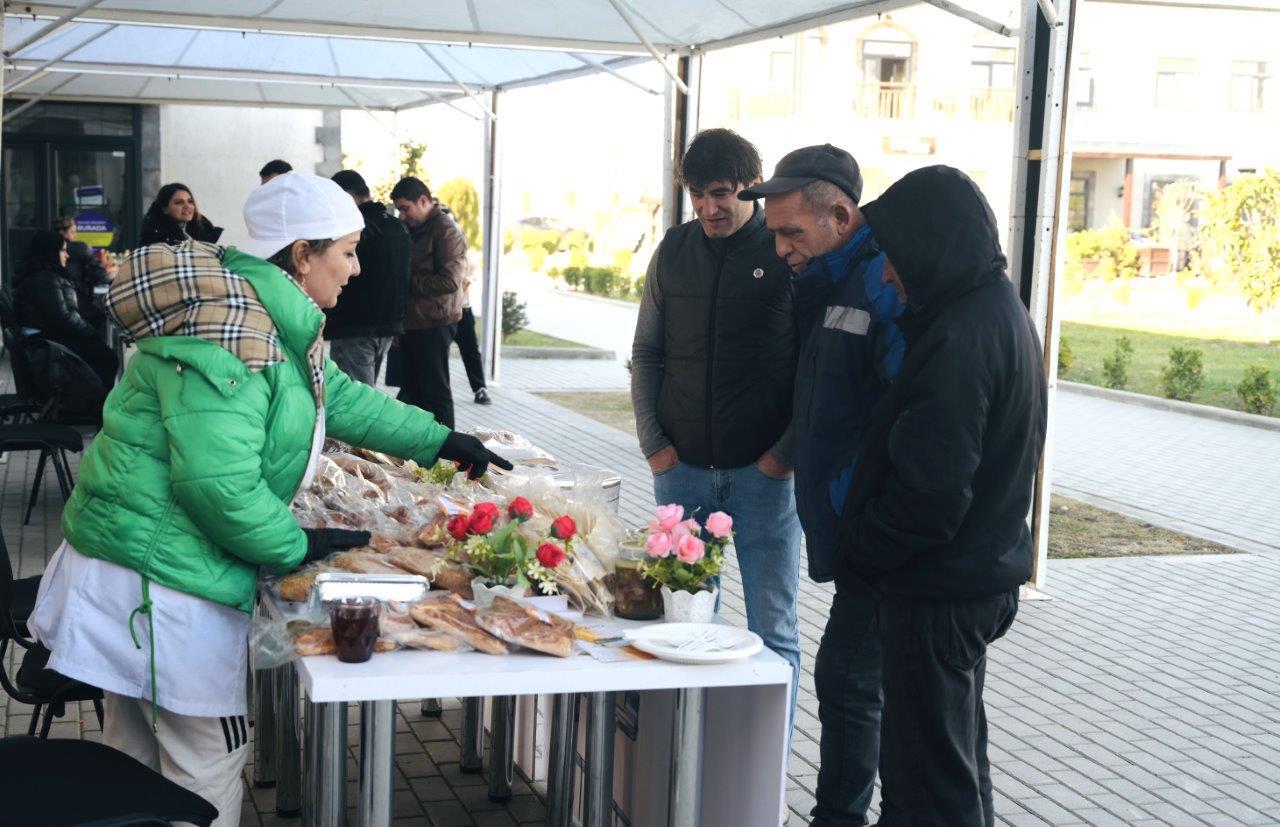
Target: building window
[[1080, 200], [1175, 79], [782, 71], [887, 90], [991, 74], [991, 68], [1250, 85], [1083, 84]]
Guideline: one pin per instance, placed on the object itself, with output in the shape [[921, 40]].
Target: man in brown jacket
[[437, 265]]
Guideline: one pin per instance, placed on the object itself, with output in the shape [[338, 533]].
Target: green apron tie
[[144, 608]]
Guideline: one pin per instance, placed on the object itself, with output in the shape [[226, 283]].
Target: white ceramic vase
[[483, 593], [689, 607]]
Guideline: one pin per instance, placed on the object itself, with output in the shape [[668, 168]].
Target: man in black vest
[[713, 365], [850, 350], [370, 311]]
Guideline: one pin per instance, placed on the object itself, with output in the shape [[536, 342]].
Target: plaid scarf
[[185, 290]]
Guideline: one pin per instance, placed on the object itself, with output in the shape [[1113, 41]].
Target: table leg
[[377, 761], [597, 787], [431, 708], [564, 746], [325, 781], [502, 726], [471, 760], [288, 747], [684, 802], [264, 728]]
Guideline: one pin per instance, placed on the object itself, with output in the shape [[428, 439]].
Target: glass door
[[92, 186]]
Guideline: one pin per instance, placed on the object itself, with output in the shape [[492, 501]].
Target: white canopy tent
[[398, 54]]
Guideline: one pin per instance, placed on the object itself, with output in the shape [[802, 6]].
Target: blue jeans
[[767, 542]]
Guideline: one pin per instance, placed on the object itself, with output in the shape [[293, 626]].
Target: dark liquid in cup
[[355, 630]]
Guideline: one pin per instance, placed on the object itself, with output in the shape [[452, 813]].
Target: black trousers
[[469, 347], [933, 736], [846, 676], [424, 356]]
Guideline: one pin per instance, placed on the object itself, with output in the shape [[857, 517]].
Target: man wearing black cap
[[850, 351], [936, 514], [370, 311], [713, 365]]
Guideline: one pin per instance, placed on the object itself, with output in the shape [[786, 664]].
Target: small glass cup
[[355, 627], [635, 597]]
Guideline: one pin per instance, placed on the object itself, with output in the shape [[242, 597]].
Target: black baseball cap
[[804, 166]]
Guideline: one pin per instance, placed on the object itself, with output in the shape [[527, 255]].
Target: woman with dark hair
[[174, 217], [45, 299]]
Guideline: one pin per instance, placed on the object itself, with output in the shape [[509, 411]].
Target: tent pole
[[18, 111], [1037, 215], [680, 124], [679, 81], [604, 67], [492, 243]]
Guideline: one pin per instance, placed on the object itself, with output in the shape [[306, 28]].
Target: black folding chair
[[35, 683], [66, 782]]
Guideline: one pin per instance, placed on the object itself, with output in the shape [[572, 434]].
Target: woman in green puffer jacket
[[184, 494]]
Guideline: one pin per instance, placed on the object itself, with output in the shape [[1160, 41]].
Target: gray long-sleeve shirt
[[646, 373]]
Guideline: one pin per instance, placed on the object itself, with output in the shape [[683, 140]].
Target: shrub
[[550, 240], [460, 196], [508, 240], [1107, 253], [637, 287], [514, 318], [1183, 377], [1065, 357], [1256, 392], [601, 281], [1115, 368]]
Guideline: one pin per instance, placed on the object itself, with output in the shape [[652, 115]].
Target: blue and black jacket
[[850, 350]]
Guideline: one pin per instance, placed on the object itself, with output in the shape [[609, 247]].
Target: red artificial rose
[[520, 509], [550, 555], [482, 518], [564, 528], [457, 527]]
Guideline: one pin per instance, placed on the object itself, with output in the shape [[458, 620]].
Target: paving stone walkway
[[1142, 693]]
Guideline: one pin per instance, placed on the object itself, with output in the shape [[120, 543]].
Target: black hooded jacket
[[44, 293], [938, 504], [159, 228], [373, 303]]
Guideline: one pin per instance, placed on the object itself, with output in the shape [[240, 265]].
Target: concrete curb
[[558, 353], [1267, 423]]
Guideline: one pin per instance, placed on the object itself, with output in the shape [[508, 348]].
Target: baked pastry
[[318, 640], [448, 615], [526, 626], [363, 561], [442, 572]]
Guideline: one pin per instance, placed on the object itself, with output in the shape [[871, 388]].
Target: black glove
[[321, 542], [470, 454]]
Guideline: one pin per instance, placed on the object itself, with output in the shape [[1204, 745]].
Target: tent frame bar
[[973, 17], [648, 44], [52, 27], [40, 71]]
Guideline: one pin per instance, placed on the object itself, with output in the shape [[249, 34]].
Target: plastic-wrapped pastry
[[447, 615], [318, 640], [442, 572], [400, 627], [363, 561], [522, 624]]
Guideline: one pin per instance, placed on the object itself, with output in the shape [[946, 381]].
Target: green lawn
[[531, 338], [1224, 361]]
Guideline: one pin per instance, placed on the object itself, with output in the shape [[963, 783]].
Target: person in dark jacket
[[936, 515], [437, 265], [713, 367], [86, 271], [173, 217], [45, 299], [370, 312], [850, 351]]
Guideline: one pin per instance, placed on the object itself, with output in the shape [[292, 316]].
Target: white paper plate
[[718, 643]]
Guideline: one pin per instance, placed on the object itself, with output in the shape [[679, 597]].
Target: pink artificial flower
[[719, 524], [669, 516], [691, 526], [658, 544], [690, 549]]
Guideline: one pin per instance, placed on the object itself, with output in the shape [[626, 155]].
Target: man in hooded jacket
[[936, 514]]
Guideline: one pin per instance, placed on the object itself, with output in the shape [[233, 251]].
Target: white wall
[[218, 150]]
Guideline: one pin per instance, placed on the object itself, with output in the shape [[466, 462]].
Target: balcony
[[886, 101], [991, 105]]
